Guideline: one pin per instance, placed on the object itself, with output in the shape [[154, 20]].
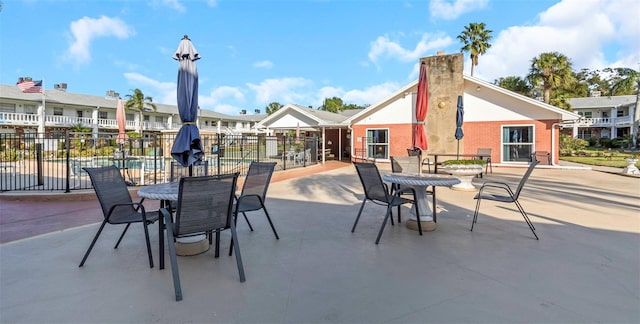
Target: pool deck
[[584, 269]]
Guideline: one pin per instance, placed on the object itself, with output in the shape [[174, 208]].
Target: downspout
[[351, 139], [553, 143]]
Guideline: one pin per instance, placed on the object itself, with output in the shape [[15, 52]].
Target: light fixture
[[478, 88]]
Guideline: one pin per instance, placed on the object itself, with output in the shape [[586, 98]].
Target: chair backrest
[[198, 169], [416, 151], [405, 164], [372, 184], [484, 152], [111, 189], [204, 204], [524, 178], [258, 178]]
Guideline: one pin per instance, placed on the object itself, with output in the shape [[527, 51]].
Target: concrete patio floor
[[584, 268]]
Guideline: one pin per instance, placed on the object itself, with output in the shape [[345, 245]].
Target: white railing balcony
[[18, 119], [624, 121], [589, 122]]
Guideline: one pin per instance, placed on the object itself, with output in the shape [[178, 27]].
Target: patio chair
[[376, 191], [416, 151], [204, 205], [509, 196], [254, 192], [485, 153], [408, 164], [117, 206]]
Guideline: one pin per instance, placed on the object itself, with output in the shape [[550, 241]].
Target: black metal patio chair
[[205, 205], [487, 190], [254, 192], [117, 205], [376, 191]]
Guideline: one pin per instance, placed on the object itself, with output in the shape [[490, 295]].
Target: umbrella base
[[427, 226]]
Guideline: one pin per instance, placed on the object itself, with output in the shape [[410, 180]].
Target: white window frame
[[517, 150], [371, 146]]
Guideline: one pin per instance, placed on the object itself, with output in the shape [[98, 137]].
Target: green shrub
[[593, 141], [464, 162]]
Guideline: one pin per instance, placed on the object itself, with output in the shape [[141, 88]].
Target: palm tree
[[475, 39], [137, 101], [552, 70]]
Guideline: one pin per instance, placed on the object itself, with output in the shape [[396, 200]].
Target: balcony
[[605, 122]]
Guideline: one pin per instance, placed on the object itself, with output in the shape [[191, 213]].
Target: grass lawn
[[602, 157]]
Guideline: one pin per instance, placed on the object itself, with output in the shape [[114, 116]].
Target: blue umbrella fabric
[[459, 120], [187, 148]]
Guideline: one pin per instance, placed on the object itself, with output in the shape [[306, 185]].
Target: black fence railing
[[55, 162]]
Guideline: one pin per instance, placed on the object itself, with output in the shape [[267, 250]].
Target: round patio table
[[420, 184]]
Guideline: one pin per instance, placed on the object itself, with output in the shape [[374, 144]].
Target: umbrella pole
[[191, 170], [458, 151]]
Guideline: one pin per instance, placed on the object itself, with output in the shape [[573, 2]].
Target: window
[[7, 108], [130, 117], [605, 114], [588, 114], [79, 113], [159, 119], [102, 115], [584, 133], [620, 113], [378, 143], [517, 143], [57, 111], [30, 109], [145, 118]]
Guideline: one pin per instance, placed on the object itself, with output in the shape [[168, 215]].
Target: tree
[[552, 70], [626, 82], [138, 101], [515, 84], [272, 107], [333, 104], [475, 39]]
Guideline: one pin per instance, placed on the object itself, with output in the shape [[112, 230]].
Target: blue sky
[[296, 51]]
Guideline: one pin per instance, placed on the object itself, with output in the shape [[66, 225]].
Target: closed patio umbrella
[[459, 120], [121, 119], [422, 105], [187, 148]]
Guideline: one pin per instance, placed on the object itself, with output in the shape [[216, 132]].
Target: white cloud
[[218, 95], [370, 95], [174, 4], [86, 29], [449, 10], [284, 90], [581, 30], [161, 92], [266, 64], [212, 3], [384, 47]]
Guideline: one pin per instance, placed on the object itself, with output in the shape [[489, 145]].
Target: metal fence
[[55, 162]]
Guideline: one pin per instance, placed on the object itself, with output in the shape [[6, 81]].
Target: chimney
[[243, 112], [257, 111], [20, 79], [440, 53]]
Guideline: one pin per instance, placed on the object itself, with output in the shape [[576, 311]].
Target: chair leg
[[122, 235], [174, 262], [95, 238], [526, 219], [475, 214], [358, 217], [399, 216], [236, 247], [247, 219], [146, 237], [433, 203], [217, 252], [270, 222], [384, 223]]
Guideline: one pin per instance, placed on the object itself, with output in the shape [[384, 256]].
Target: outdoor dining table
[[167, 192], [420, 182]]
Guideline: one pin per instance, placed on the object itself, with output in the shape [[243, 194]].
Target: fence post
[[68, 150], [39, 164]]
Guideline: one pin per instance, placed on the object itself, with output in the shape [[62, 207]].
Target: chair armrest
[[495, 184]]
